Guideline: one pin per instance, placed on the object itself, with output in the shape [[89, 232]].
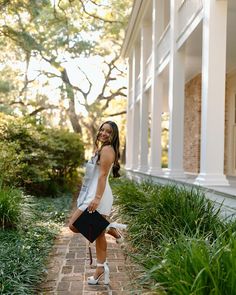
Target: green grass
[[11, 201], [23, 251], [179, 239], [155, 212], [195, 266]]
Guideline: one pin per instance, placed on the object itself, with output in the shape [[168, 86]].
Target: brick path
[[68, 268]]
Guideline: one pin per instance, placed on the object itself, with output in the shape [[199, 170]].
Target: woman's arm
[[107, 156]]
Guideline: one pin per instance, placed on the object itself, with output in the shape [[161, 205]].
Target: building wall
[[230, 92], [192, 125]]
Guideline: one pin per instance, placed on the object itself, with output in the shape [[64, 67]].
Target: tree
[[56, 32]]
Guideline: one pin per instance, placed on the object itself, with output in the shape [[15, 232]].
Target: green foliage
[[23, 252], [171, 210], [11, 201], [38, 159], [5, 86], [179, 238], [194, 266], [59, 33], [11, 162]]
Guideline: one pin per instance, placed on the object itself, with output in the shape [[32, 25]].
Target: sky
[[92, 67]]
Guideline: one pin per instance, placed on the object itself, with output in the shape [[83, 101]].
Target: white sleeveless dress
[[89, 188]]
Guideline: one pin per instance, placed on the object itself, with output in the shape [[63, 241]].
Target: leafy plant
[[11, 201], [38, 159], [179, 238], [23, 251], [195, 266], [157, 212]]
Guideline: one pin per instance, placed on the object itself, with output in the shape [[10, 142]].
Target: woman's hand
[[94, 204]]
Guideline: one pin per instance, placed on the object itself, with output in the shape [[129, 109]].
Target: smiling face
[[105, 133]]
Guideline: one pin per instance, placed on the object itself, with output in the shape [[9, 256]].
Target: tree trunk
[[123, 154], [74, 118]]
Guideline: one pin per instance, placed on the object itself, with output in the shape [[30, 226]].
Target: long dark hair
[[114, 142]]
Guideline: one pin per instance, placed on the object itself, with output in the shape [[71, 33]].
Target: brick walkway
[[68, 268]]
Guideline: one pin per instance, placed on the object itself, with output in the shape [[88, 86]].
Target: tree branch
[[90, 83], [42, 108], [97, 16], [116, 114], [107, 76]]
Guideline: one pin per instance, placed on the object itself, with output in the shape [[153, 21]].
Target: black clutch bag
[[91, 225]]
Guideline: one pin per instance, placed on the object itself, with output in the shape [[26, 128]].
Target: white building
[[182, 61]]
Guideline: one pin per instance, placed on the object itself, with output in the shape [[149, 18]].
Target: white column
[[213, 94], [156, 110], [129, 117], [156, 93], [135, 141], [176, 102], [143, 139], [135, 115]]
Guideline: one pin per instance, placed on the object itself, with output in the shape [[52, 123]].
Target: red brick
[[67, 269], [63, 286]]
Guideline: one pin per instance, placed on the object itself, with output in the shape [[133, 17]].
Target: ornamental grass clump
[[11, 201], [157, 212], [179, 238], [195, 266]]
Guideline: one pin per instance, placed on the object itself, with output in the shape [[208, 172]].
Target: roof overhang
[[133, 26]]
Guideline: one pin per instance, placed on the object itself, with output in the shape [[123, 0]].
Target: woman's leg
[[73, 218], [101, 253], [114, 232]]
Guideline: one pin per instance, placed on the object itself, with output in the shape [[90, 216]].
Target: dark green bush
[[40, 160], [11, 162]]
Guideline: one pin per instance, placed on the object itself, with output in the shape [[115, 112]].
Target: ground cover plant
[[179, 238], [25, 245]]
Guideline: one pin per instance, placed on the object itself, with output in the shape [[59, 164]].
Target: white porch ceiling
[[193, 46]]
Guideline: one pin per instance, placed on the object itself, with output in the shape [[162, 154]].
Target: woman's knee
[[101, 236]]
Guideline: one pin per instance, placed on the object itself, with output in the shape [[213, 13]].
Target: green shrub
[[41, 160], [11, 201], [11, 163]]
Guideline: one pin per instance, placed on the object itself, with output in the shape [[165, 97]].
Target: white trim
[[139, 9], [163, 34], [190, 27]]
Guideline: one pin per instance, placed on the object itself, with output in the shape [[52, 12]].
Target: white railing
[[137, 87], [163, 46], [148, 68], [187, 11]]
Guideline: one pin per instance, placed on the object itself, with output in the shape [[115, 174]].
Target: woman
[[96, 193]]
